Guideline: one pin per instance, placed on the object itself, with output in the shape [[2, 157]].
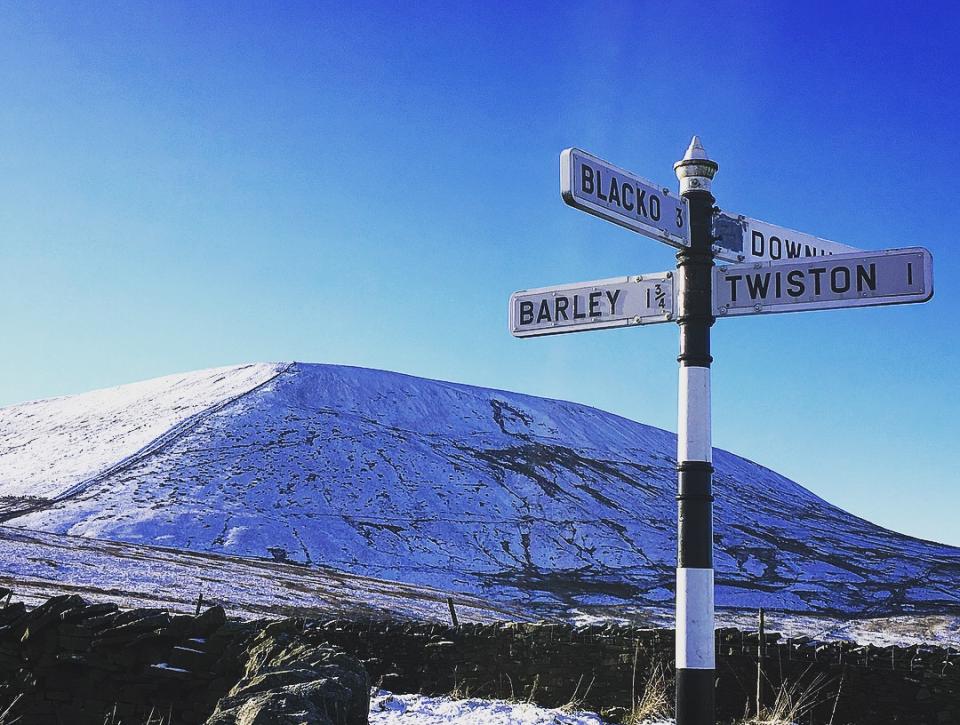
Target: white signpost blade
[[604, 190], [861, 279], [615, 302], [742, 239]]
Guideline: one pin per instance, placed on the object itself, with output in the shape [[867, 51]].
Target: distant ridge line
[[173, 434]]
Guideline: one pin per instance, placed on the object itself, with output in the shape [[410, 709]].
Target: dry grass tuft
[[6, 717], [577, 701], [110, 718], [654, 703], [793, 702]]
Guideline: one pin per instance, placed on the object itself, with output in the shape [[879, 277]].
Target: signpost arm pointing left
[[695, 657]]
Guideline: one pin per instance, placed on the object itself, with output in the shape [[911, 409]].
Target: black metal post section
[[694, 628]]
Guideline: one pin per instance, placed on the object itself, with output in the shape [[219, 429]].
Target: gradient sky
[[192, 185]]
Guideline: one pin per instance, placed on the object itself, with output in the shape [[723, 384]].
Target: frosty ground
[[389, 709]]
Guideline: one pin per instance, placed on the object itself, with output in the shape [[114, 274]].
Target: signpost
[[738, 238], [604, 190], [616, 302], [777, 270]]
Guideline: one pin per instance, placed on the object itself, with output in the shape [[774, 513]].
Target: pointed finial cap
[[695, 171], [695, 150]]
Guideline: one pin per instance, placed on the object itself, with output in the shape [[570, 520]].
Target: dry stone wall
[[603, 667], [73, 663], [69, 661]]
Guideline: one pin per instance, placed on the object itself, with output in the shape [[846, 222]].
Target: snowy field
[[390, 709], [38, 565], [904, 631]]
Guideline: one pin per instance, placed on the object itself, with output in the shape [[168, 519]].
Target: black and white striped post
[[695, 657]]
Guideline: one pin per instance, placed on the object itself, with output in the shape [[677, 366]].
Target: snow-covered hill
[[508, 496], [48, 446]]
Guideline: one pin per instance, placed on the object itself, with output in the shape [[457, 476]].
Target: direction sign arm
[[606, 191]]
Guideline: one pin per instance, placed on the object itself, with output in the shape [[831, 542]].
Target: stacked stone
[[68, 661], [71, 661], [294, 676], [82, 663], [552, 664]]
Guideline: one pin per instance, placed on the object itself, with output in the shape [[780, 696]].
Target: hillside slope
[[37, 566], [503, 495], [49, 447]]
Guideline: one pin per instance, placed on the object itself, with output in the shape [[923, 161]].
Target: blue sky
[[191, 185]]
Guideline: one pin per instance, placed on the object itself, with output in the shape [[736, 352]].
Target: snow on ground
[[942, 630], [389, 709], [47, 446], [37, 566]]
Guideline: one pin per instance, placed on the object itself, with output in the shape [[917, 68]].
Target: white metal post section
[[695, 657]]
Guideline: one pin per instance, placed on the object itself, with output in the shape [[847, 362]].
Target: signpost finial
[[695, 150], [695, 171]]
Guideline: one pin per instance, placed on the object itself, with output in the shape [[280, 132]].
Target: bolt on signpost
[[775, 270]]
